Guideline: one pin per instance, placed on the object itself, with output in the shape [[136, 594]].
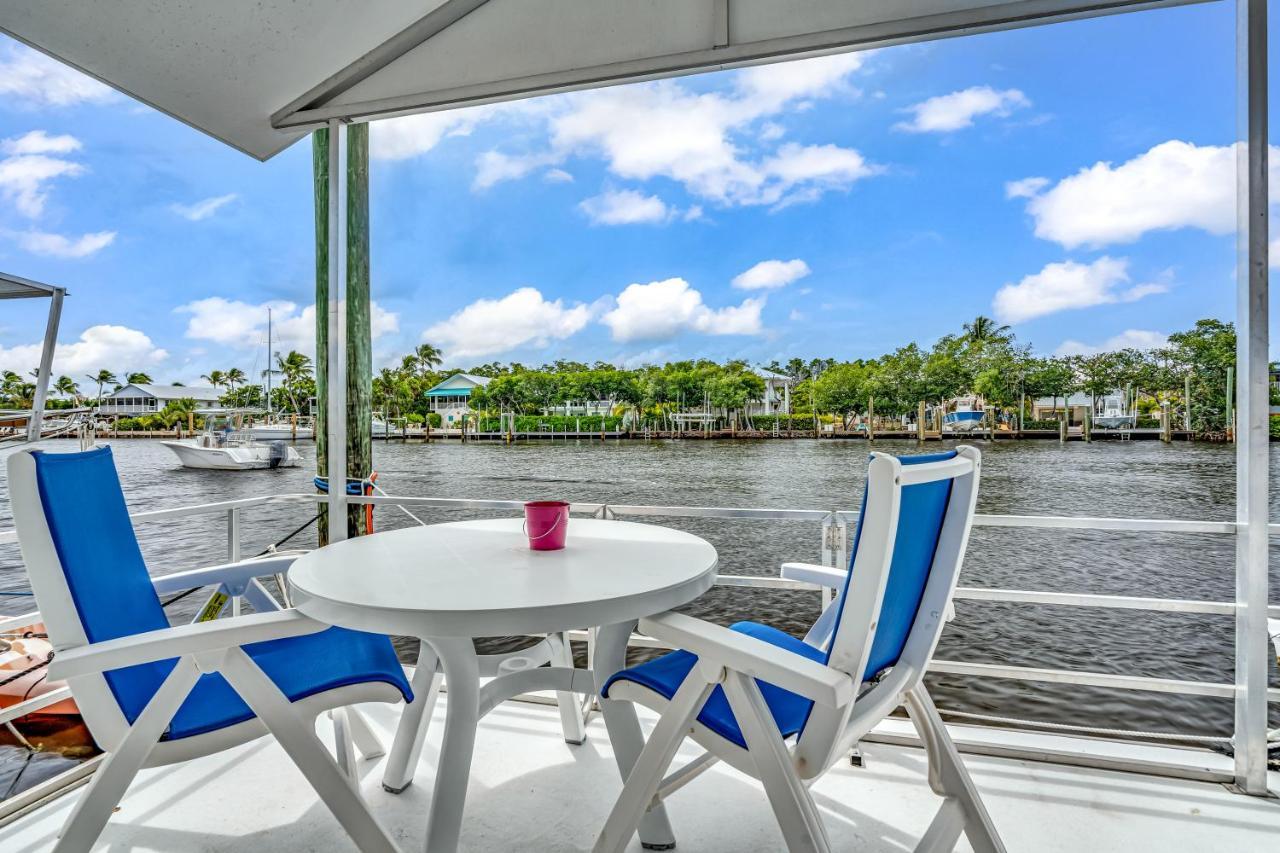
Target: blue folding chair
[[152, 694], [783, 709]]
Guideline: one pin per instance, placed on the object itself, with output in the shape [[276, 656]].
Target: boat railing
[[835, 528]]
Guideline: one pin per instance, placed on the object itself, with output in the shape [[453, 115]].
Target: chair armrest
[[166, 643], [752, 657], [234, 575], [816, 574]]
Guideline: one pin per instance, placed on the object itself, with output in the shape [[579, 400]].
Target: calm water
[[1140, 479]]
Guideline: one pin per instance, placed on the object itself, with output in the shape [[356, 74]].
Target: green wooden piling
[[359, 344]]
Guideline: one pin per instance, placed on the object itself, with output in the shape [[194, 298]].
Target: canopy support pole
[[1252, 445], [46, 364], [336, 350]]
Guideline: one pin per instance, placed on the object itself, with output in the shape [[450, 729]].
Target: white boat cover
[[258, 74]]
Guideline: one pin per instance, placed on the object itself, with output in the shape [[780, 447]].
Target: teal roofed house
[[450, 398]]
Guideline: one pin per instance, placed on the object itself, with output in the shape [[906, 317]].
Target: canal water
[[1110, 478]]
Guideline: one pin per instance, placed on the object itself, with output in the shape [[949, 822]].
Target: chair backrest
[[906, 556], [88, 574]]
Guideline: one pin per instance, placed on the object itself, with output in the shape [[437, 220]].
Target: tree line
[[982, 358]]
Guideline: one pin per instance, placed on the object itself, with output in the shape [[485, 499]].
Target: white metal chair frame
[[201, 647], [840, 715]]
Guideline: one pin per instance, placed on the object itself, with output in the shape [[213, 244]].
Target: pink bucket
[[546, 523]]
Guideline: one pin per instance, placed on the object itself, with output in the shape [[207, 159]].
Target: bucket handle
[[525, 527]]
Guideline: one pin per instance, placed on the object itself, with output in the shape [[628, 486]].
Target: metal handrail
[[232, 509]]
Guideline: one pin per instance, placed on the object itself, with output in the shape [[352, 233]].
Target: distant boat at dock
[[1114, 414], [221, 448], [965, 414]]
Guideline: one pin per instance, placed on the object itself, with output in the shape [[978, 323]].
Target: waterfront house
[[1051, 408], [133, 400], [451, 397], [777, 394]]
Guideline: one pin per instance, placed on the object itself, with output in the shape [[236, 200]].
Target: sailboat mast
[[268, 364]]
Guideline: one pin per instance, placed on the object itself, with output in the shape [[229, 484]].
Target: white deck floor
[[530, 791]]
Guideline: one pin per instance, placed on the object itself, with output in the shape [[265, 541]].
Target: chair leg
[[649, 768], [95, 805], [344, 746], [299, 740], [366, 740], [798, 817], [406, 749], [949, 779], [625, 735], [575, 730]]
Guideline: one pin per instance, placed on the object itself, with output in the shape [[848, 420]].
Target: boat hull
[[279, 432], [1115, 422], [962, 421], [232, 458]]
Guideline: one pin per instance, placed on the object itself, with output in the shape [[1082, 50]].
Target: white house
[[451, 397], [777, 393], [134, 400]]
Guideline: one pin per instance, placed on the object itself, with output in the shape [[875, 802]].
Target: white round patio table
[[448, 584]]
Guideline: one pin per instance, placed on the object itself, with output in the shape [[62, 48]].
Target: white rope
[[1174, 736]]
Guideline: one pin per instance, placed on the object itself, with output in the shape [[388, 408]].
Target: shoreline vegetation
[[983, 359]]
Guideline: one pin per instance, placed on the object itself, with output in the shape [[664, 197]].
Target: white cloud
[[241, 325], [1025, 188], [709, 142], [663, 309], [768, 275], [522, 317], [33, 79], [557, 176], [203, 209], [24, 179], [1173, 185], [116, 348], [60, 246], [1141, 339], [1273, 253], [625, 207], [1067, 285], [40, 142], [946, 113]]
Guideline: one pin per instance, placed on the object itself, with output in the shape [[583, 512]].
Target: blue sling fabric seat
[[920, 518], [107, 576]]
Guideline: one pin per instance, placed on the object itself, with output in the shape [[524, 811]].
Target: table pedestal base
[[454, 660]]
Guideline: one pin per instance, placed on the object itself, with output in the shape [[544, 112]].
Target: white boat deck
[[532, 791]]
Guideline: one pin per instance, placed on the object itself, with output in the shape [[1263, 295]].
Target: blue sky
[[1074, 181]]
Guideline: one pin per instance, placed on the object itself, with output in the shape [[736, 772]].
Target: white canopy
[[258, 74]]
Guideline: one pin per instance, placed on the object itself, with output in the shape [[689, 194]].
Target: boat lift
[[14, 287]]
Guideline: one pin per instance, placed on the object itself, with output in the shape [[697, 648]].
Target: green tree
[[66, 386], [138, 378], [235, 376], [216, 378], [103, 377], [842, 390]]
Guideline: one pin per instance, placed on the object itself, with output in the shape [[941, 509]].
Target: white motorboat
[[1115, 414], [273, 430], [220, 448], [966, 415]]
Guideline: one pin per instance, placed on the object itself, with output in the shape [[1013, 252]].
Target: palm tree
[[138, 378], [984, 330], [66, 385], [216, 378], [103, 377], [293, 367], [235, 376], [428, 357]]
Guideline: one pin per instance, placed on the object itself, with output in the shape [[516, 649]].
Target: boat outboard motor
[[278, 452]]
